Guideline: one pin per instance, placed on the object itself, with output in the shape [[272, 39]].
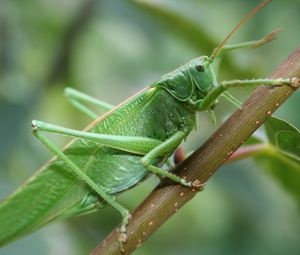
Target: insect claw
[[198, 185], [123, 238], [186, 183], [295, 82], [273, 35], [122, 250]]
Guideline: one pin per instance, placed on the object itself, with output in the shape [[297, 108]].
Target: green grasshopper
[[120, 148]]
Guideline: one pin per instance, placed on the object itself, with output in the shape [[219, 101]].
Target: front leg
[[214, 94]]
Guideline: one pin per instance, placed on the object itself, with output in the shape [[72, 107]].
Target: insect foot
[[295, 82], [186, 183], [123, 231], [198, 185]]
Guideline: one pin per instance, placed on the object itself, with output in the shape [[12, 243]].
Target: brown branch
[[167, 198]]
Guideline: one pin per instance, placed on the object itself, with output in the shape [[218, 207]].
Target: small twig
[[167, 198], [248, 151]]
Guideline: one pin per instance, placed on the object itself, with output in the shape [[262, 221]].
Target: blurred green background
[[111, 49]]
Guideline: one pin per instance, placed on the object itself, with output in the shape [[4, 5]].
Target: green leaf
[[289, 143], [275, 125], [282, 156]]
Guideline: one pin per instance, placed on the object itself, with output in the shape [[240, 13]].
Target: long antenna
[[244, 20]]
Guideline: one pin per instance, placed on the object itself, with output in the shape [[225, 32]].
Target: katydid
[[121, 147]]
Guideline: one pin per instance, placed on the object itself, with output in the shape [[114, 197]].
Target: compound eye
[[199, 68]]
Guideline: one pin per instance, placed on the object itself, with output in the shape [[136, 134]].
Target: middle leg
[[164, 148]]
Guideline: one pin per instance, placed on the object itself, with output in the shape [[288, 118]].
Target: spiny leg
[[77, 99], [163, 149], [212, 96], [97, 188], [133, 144], [151, 148]]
